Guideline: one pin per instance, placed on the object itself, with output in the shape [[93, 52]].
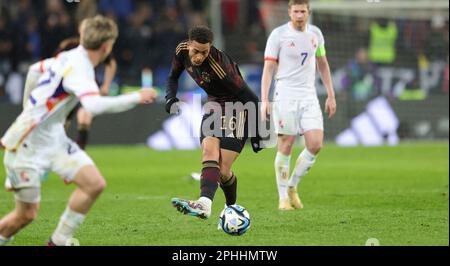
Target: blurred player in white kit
[[36, 142]]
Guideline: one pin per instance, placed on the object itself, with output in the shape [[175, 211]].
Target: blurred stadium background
[[394, 49]]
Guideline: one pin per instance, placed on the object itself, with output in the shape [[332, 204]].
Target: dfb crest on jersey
[[206, 77]]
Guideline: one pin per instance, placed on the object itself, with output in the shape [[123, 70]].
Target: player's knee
[[28, 216], [285, 144], [100, 186], [285, 149], [97, 187], [210, 154], [225, 173], [315, 147], [90, 180]]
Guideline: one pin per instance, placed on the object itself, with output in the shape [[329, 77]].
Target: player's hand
[[330, 106], [172, 106], [147, 95], [266, 109], [256, 144]]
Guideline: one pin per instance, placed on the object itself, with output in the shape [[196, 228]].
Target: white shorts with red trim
[[30, 164], [295, 117]]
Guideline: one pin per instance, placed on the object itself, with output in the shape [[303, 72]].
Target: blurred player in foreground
[[37, 143], [84, 118]]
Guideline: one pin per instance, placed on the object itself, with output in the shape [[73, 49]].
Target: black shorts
[[232, 130]]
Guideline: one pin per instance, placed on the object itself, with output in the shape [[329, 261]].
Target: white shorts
[[295, 117], [26, 167]]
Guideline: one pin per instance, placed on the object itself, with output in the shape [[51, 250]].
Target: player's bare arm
[[325, 73], [270, 66]]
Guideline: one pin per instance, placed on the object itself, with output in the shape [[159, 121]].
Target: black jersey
[[218, 76]]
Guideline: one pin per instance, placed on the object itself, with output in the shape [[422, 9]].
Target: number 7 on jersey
[[304, 55]]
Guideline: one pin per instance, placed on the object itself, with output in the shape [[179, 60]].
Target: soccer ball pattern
[[234, 220]]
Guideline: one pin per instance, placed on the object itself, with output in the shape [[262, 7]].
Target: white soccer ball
[[234, 220]]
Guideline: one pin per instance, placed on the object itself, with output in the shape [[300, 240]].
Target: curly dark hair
[[201, 34]]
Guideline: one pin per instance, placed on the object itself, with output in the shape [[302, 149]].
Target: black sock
[[83, 135], [210, 179], [229, 188]]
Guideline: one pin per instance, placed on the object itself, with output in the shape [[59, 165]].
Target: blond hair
[[298, 2], [97, 30]]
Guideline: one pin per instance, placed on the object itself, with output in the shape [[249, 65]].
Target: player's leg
[[228, 180], [23, 214], [312, 125], [209, 181], [210, 168], [236, 128], [307, 158], [76, 167], [23, 175], [84, 121], [90, 184], [285, 115], [282, 169]]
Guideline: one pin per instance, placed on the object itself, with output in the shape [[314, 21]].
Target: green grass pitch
[[398, 195]]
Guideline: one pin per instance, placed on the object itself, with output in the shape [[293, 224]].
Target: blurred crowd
[[31, 30], [402, 56], [150, 29]]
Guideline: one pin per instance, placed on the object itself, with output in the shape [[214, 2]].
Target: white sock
[[4, 241], [70, 221], [304, 162], [282, 168], [206, 201]]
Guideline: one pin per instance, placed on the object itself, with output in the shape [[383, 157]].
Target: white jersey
[[67, 78], [36, 142], [295, 52], [35, 71]]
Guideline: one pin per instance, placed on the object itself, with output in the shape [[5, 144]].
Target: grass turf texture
[[398, 195]]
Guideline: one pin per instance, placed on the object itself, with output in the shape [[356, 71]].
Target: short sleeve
[[80, 81], [320, 37], [320, 41], [272, 47]]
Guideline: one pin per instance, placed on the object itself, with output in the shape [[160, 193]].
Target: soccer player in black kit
[[223, 132]]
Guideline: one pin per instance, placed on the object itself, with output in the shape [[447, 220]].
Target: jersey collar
[[295, 30]]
